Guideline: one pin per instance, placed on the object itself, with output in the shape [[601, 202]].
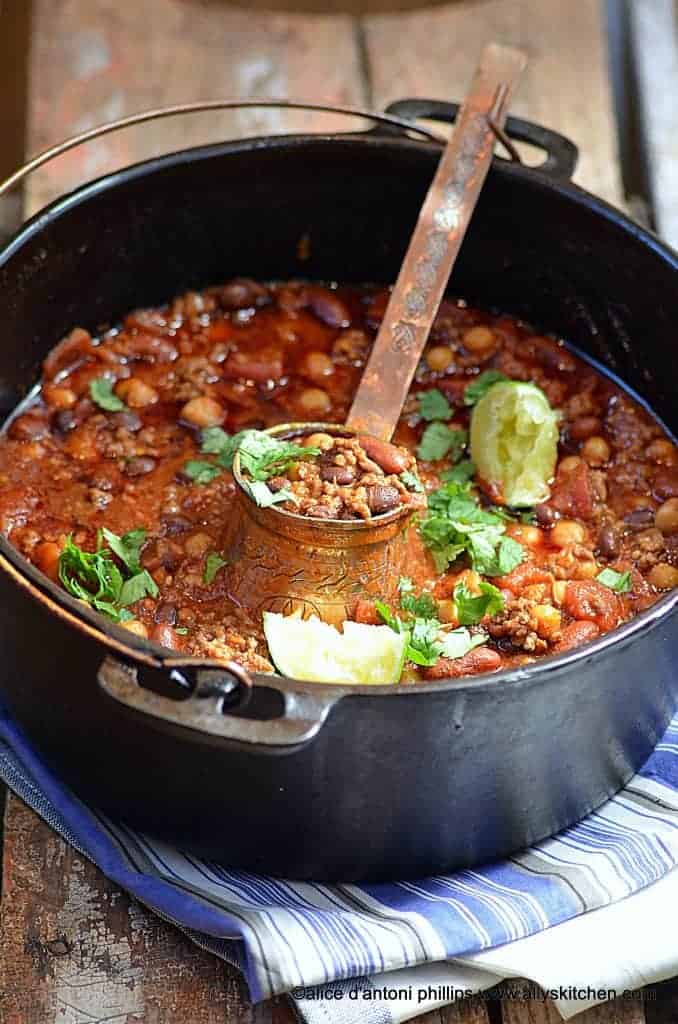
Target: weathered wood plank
[[75, 949], [654, 35], [566, 87], [96, 60]]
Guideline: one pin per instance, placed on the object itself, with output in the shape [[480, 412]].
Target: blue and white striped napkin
[[302, 938]]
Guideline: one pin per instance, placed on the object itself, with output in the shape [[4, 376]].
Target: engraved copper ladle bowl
[[282, 561], [285, 562]]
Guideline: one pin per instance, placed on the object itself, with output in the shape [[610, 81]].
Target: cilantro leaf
[[127, 548], [200, 472], [475, 391], [439, 440], [620, 582], [471, 608], [458, 642], [412, 481], [433, 405], [138, 586], [263, 456], [460, 473], [213, 564], [101, 392], [421, 646], [422, 606], [265, 497], [216, 441]]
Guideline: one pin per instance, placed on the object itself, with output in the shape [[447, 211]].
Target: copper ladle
[[281, 561]]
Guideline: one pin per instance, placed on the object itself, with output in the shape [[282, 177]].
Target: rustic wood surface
[[74, 949]]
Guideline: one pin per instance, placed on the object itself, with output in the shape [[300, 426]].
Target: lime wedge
[[514, 442], [311, 649]]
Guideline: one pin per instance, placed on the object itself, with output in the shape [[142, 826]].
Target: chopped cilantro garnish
[[216, 441], [422, 606], [213, 564], [460, 473], [456, 524], [482, 383], [433, 405], [95, 577], [618, 581], [265, 497], [471, 608], [181, 630], [426, 640], [411, 481], [263, 456], [101, 392], [200, 472], [439, 440]]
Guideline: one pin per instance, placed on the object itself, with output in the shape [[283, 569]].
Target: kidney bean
[[140, 465], [608, 541], [72, 349], [576, 634], [546, 516], [382, 498], [584, 427], [29, 427], [162, 554], [176, 524], [665, 484], [341, 475], [386, 455], [241, 293], [166, 612], [328, 307], [481, 659], [588, 599], [163, 635]]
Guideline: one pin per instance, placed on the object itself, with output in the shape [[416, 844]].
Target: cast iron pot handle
[[214, 690], [561, 153]]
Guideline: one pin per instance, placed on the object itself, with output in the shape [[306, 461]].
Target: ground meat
[[516, 624]]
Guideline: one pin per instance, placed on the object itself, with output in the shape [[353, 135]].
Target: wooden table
[[73, 948]]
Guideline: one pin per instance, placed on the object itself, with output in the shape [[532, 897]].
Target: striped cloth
[[293, 937]]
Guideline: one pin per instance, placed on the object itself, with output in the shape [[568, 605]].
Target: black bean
[[140, 465], [166, 612], [545, 515], [382, 498], [341, 475], [608, 541], [176, 524], [639, 519], [64, 420], [127, 420]]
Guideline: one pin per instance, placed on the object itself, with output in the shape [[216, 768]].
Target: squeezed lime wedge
[[312, 649], [514, 442]]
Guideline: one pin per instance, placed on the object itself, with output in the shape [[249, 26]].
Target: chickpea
[[586, 570], [136, 393], [663, 576], [197, 544], [569, 463], [479, 340], [46, 557], [584, 427], [662, 450], [203, 412], [596, 451], [566, 533], [314, 402], [317, 365], [59, 397], [135, 626], [319, 440], [666, 516], [439, 358], [531, 536]]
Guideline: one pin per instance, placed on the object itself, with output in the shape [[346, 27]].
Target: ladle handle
[[434, 246]]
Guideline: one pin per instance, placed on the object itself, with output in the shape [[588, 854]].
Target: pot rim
[[116, 638]]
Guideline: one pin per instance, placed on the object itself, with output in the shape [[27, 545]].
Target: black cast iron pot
[[307, 780]]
